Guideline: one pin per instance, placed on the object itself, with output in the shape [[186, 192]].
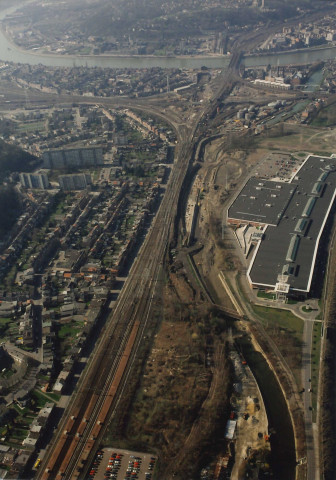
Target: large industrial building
[[291, 218]]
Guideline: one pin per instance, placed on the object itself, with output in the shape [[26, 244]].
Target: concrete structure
[[273, 82], [285, 256], [73, 157], [34, 180], [79, 181]]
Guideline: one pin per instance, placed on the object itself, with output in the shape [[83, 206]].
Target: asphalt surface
[[136, 463], [308, 317], [307, 400]]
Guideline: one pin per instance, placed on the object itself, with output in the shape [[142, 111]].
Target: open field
[[286, 330], [31, 127], [182, 398], [284, 319], [326, 117], [301, 138]]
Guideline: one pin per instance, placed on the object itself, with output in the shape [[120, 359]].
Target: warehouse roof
[[262, 201], [292, 245]]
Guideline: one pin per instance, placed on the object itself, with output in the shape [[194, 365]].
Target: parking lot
[[116, 464], [278, 165]]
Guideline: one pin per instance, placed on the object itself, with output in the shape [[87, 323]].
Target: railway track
[[87, 418], [112, 359], [105, 377]]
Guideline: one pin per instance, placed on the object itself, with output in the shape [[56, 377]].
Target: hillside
[[117, 25], [11, 208], [14, 159]]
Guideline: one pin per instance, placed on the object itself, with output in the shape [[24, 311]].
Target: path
[[312, 472]]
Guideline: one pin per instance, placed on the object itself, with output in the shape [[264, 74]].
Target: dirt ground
[[303, 138], [183, 395], [252, 423], [222, 174]]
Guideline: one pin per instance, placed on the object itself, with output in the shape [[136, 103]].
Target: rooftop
[[292, 245], [262, 201]]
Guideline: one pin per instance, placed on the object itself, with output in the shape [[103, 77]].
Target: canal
[[283, 458]]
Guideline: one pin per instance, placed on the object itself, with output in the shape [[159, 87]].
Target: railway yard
[[111, 363], [185, 256], [109, 366]]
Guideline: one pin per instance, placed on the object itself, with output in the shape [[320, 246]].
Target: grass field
[[20, 411], [286, 330], [4, 326], [39, 398], [281, 318], [5, 320], [49, 396], [326, 117], [31, 127], [301, 139], [261, 294], [69, 330]]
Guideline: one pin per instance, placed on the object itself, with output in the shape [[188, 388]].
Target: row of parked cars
[[95, 464], [113, 466]]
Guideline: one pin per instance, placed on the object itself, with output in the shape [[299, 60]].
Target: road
[[136, 298], [312, 474], [133, 305]]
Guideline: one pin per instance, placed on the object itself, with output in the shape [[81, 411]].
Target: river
[[302, 57], [10, 53]]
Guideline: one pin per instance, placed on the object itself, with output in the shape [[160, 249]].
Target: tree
[[11, 208]]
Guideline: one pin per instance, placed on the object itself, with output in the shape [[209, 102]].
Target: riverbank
[[40, 53], [282, 438], [10, 52], [288, 52]]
